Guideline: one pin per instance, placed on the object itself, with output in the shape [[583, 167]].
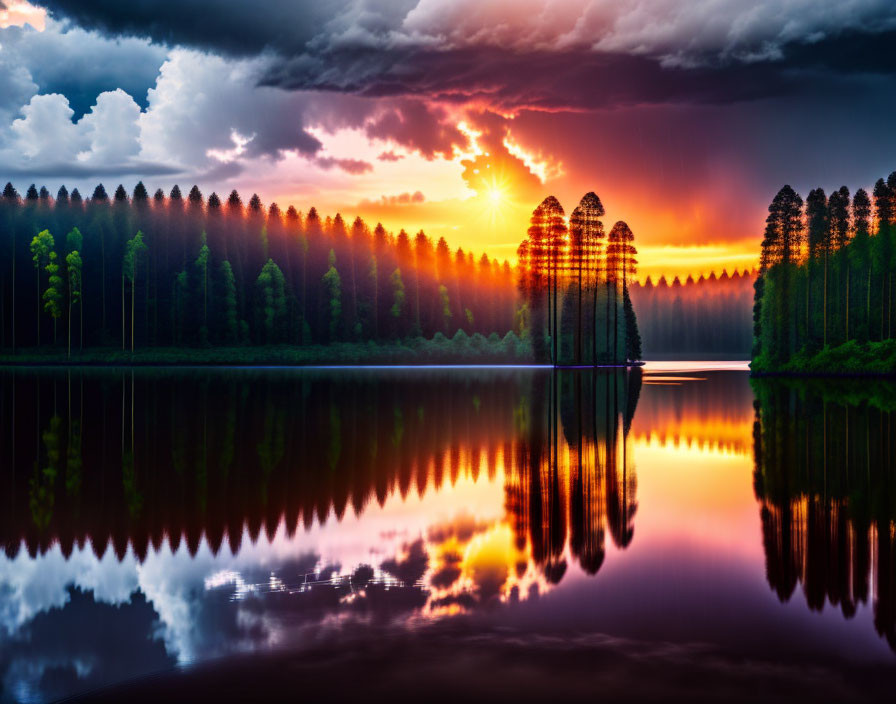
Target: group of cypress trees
[[575, 286], [139, 270], [826, 272]]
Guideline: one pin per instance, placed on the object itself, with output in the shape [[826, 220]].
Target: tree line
[[577, 308], [134, 459], [826, 272], [704, 318], [136, 270]]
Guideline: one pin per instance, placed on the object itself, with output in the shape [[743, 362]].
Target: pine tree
[[229, 304], [73, 267], [818, 233], [201, 265], [333, 288], [133, 248], [53, 295], [398, 297], [41, 247]]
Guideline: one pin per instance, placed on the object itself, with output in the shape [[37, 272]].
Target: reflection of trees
[[572, 474], [138, 459], [824, 478], [158, 455]]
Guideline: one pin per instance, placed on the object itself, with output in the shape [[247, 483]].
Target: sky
[[458, 116]]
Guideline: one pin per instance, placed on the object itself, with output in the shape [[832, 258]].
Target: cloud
[[46, 131], [401, 199], [390, 156], [350, 166], [579, 54], [80, 64], [419, 126], [47, 140]]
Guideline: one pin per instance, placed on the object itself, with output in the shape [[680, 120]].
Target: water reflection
[[209, 513], [152, 519], [824, 477]]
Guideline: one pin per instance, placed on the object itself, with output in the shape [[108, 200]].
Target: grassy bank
[[460, 349], [851, 358]]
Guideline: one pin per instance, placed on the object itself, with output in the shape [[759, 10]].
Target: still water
[[680, 529]]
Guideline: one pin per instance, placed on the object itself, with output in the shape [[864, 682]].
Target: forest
[[136, 272], [824, 294], [574, 280], [704, 318], [134, 276]]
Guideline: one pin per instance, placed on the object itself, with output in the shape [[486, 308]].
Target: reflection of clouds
[[29, 586], [188, 608], [82, 644]]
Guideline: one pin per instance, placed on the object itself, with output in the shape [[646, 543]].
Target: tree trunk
[[847, 301], [825, 299], [594, 323], [579, 321], [808, 297], [38, 305], [69, 332], [615, 322], [608, 315], [868, 304], [123, 347], [133, 294]]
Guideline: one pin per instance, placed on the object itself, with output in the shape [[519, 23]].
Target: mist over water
[[462, 524]]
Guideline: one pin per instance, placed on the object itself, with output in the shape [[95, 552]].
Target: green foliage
[[271, 303], [632, 336], [201, 266], [41, 246], [53, 295], [74, 265], [446, 305], [437, 350], [230, 314], [811, 315], [398, 297], [134, 247], [74, 240], [333, 288]]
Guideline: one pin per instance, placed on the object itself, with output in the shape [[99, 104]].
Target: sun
[[496, 196]]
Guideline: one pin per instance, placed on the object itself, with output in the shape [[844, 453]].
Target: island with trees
[[167, 278], [824, 294]]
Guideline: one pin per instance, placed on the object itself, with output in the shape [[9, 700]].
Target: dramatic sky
[[458, 116]]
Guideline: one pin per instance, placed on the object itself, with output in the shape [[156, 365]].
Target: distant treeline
[[826, 281], [705, 318], [167, 270]]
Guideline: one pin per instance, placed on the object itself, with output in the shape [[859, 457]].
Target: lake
[[495, 533]]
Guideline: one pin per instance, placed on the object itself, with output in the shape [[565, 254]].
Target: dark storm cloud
[[81, 64], [233, 27], [580, 55], [75, 170]]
